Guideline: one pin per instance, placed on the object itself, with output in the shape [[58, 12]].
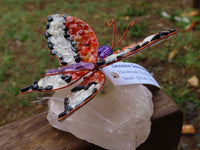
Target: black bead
[[66, 102], [68, 108], [63, 76], [40, 89], [49, 87], [163, 33], [50, 46], [63, 62], [35, 85], [77, 58], [74, 49], [66, 35], [62, 114], [172, 30], [66, 99], [49, 41], [53, 52], [64, 28], [120, 56], [135, 48], [100, 62], [64, 16], [73, 43], [47, 34], [110, 54], [157, 36], [68, 79], [145, 43], [26, 88], [49, 18], [77, 88], [89, 84], [94, 90], [47, 26], [66, 105]]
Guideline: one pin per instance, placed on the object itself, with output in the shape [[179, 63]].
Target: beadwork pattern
[[75, 46]]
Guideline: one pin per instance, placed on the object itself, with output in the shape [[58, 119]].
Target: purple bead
[[60, 69], [73, 67], [104, 51], [51, 71], [83, 65]]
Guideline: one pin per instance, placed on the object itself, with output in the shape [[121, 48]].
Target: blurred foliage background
[[24, 56]]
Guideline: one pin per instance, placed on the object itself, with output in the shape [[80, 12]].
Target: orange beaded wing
[[83, 93], [71, 40]]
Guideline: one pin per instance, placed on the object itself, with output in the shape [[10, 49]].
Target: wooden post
[[196, 4], [36, 133]]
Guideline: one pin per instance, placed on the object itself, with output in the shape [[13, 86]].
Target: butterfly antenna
[[112, 22]]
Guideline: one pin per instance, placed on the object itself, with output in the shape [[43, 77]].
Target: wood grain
[[35, 133]]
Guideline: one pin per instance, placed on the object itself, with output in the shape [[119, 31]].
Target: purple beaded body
[[72, 68], [104, 51]]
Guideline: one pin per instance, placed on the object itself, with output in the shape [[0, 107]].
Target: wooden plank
[[35, 133], [196, 4]]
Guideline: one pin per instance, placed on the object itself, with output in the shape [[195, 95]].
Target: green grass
[[24, 56]]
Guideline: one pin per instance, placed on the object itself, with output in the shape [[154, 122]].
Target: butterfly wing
[[83, 93], [54, 82], [71, 40], [136, 47]]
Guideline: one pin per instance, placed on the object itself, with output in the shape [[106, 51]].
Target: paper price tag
[[122, 73]]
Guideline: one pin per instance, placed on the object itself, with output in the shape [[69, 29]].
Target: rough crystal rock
[[117, 118]]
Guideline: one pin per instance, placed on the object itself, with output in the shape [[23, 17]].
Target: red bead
[[81, 32], [86, 42], [67, 24], [70, 19]]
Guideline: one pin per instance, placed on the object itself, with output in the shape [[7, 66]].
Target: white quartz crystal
[[117, 118]]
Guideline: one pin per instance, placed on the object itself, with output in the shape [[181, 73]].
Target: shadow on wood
[[35, 133]]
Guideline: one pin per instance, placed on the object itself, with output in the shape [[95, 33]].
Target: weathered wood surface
[[35, 133], [196, 4]]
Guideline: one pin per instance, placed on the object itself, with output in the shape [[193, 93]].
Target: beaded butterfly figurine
[[75, 46]]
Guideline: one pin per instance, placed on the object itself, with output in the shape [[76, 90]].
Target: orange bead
[[78, 38], [85, 58]]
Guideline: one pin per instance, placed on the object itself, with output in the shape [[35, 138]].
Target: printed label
[[122, 73]]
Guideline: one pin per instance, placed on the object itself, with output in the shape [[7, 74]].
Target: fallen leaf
[[193, 81], [190, 14], [126, 17], [193, 13], [172, 54], [188, 129], [191, 26]]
